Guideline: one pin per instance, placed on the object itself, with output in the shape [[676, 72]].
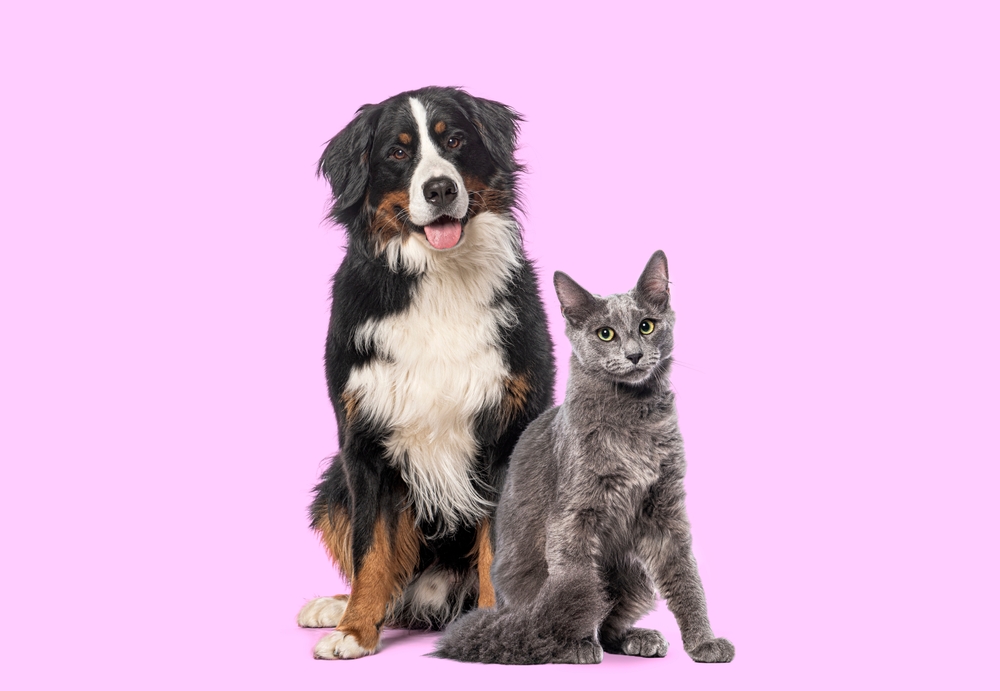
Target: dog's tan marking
[[389, 217], [483, 561], [440, 127], [350, 402], [384, 572], [405, 138], [517, 390], [473, 183], [335, 530], [483, 198]]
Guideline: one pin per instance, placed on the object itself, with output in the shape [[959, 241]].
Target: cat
[[591, 519]]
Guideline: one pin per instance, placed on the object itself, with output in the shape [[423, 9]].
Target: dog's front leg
[[385, 547]]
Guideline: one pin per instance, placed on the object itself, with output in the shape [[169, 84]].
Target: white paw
[[339, 646], [322, 612]]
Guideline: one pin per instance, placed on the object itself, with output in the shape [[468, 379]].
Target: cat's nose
[[634, 357]]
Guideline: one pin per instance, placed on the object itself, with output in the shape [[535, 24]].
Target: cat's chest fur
[[438, 364], [614, 451]]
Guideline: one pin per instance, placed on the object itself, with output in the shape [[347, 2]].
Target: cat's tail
[[546, 632]]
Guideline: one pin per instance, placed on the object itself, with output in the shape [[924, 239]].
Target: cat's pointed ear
[[576, 302], [654, 284]]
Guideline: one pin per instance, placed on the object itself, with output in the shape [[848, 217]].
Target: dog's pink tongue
[[443, 234]]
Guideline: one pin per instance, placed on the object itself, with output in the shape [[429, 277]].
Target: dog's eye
[[398, 154], [605, 334], [454, 142], [647, 326]]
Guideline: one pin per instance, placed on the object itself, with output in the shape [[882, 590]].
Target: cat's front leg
[[671, 560], [636, 641], [572, 603], [585, 652], [630, 594]]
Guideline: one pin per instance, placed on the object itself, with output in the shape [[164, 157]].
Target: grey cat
[[591, 521]]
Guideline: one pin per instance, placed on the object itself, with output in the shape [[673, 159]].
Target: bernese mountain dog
[[438, 356]]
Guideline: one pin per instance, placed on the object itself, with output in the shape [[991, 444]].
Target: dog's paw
[[339, 645], [641, 643], [323, 612], [713, 650]]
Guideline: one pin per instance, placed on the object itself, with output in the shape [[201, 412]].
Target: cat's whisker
[[687, 366]]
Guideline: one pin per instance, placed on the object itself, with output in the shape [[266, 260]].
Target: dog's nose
[[634, 357], [440, 191]]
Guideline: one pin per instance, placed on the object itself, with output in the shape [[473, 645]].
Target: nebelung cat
[[592, 515]]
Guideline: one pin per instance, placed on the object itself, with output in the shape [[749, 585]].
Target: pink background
[[824, 181]]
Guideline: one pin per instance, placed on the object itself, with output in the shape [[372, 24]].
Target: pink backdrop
[[824, 182]]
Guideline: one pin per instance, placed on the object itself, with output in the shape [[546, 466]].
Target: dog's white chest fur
[[439, 364]]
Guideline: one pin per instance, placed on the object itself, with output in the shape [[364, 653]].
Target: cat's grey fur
[[592, 520]]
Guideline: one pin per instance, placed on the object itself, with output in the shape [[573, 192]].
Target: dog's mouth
[[444, 233]]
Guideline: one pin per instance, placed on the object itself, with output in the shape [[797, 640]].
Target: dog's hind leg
[[331, 519], [483, 559], [335, 531], [384, 551], [323, 612]]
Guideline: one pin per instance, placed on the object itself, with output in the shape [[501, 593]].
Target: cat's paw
[[339, 645], [639, 642], [323, 612], [713, 650], [587, 652]]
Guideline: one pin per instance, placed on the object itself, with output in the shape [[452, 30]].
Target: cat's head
[[627, 336]]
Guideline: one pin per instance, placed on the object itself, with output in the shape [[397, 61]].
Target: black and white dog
[[437, 358]]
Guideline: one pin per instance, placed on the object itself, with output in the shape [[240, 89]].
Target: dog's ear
[[344, 163], [576, 303], [498, 128], [654, 284]]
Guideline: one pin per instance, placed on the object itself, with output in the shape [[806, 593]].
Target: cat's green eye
[[647, 326], [605, 334]]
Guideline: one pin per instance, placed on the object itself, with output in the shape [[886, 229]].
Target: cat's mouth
[[443, 233], [639, 373], [636, 374], [629, 373]]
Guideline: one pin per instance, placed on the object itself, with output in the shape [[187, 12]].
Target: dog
[[438, 356]]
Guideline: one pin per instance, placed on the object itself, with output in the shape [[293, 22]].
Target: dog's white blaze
[[439, 365], [430, 164]]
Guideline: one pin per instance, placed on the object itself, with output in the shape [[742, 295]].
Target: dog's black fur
[[368, 176]]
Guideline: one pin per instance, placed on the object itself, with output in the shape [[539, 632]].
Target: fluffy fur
[[437, 358], [592, 521]]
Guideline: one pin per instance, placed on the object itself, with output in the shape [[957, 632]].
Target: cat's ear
[[654, 284], [576, 302]]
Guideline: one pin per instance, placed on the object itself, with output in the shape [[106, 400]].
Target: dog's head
[[419, 166]]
